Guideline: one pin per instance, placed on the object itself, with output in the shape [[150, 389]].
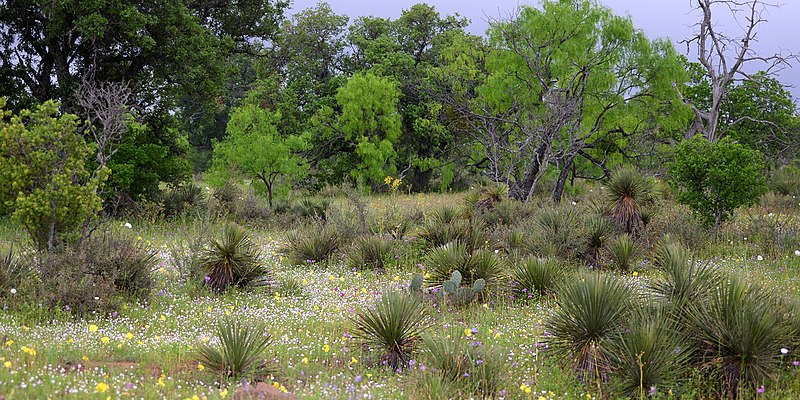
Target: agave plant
[[393, 326], [239, 351], [590, 311], [231, 260], [623, 252], [541, 276], [740, 331], [651, 353], [628, 191]]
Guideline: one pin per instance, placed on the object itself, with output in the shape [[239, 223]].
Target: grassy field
[[149, 349]]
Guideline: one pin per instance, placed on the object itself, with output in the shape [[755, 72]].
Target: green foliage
[[444, 260], [97, 274], [628, 191], [468, 364], [556, 232], [240, 351], [255, 148], [682, 280], [309, 246], [232, 260], [393, 326], [740, 332], [182, 199], [461, 295], [369, 252], [624, 253], [716, 178], [598, 233], [43, 164], [591, 310], [15, 274], [540, 276]]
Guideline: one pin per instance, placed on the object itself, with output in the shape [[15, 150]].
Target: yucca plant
[[628, 191], [489, 197], [599, 232], [740, 331], [682, 281], [651, 354], [231, 260], [590, 311], [369, 252], [469, 232], [468, 364], [183, 198], [315, 245], [540, 276], [239, 350], [456, 256], [623, 252], [14, 273], [556, 233], [393, 326]]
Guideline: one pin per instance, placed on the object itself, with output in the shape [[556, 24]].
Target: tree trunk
[[268, 184], [558, 190]]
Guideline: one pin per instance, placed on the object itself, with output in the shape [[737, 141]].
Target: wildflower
[[161, 380], [467, 332], [759, 258], [761, 389], [326, 348], [353, 360], [223, 393], [101, 388], [29, 350], [93, 328], [129, 335], [200, 367], [797, 253], [7, 364], [305, 360], [128, 225], [784, 351], [795, 363], [358, 379], [13, 291], [105, 339], [9, 342], [525, 388], [635, 273], [541, 398]]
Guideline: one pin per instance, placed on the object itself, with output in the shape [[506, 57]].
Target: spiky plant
[[315, 245], [369, 252], [490, 196], [623, 253], [393, 326], [599, 231], [456, 256], [14, 273], [540, 276], [628, 191], [239, 350], [438, 233], [231, 260], [740, 331], [468, 364], [682, 281], [590, 311], [556, 233], [650, 353]]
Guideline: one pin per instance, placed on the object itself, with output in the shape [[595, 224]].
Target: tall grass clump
[[590, 312], [239, 350], [539, 276], [740, 332], [231, 260], [598, 233], [392, 327], [556, 232]]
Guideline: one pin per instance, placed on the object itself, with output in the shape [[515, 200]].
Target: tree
[[715, 178], [723, 58], [255, 148], [43, 166]]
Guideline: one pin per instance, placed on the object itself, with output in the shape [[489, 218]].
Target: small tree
[[716, 178], [47, 187], [255, 148]]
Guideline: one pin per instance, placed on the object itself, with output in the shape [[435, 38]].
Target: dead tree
[[724, 56], [108, 112]]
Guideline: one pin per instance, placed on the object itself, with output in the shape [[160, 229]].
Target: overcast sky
[[658, 18]]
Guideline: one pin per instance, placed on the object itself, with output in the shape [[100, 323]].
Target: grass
[[150, 350]]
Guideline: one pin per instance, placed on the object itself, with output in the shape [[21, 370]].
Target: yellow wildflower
[[101, 388], [353, 360], [129, 335], [326, 348], [105, 339], [9, 342], [200, 367], [7, 364], [93, 328], [223, 393]]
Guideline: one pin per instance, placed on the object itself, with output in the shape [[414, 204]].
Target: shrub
[[314, 245], [649, 354], [590, 311], [628, 191], [469, 232], [393, 326], [228, 195], [253, 209], [455, 256], [239, 351], [231, 260], [740, 331], [623, 253], [96, 274], [468, 364], [716, 178], [369, 252], [540, 276], [183, 199]]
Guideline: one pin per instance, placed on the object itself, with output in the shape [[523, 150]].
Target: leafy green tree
[[43, 166], [715, 178], [255, 148]]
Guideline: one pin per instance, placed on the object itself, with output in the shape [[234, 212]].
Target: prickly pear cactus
[[416, 284]]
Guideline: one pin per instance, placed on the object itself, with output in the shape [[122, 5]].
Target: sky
[[657, 18]]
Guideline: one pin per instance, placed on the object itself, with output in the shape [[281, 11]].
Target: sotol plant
[[540, 276], [231, 260], [240, 350], [393, 326], [628, 191]]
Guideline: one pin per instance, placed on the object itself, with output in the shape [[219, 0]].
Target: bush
[[369, 252], [468, 364], [590, 311], [598, 233], [540, 276], [239, 351], [682, 281], [437, 232], [228, 195], [740, 332], [96, 274], [313, 245], [232, 260], [393, 326]]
